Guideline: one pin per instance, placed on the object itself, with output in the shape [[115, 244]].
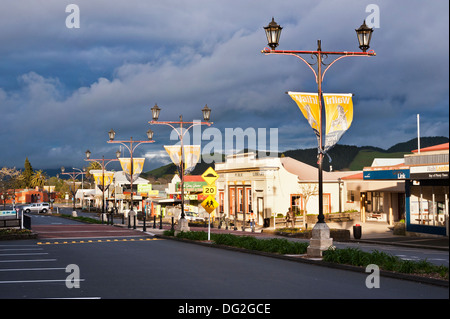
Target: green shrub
[[357, 257], [274, 245]]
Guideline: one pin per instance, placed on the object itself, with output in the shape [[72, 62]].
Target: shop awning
[[376, 186]]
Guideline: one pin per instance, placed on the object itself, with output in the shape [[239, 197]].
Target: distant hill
[[343, 157]]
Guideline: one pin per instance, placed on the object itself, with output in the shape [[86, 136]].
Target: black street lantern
[[150, 134], [111, 134], [364, 34], [206, 113], [273, 32], [155, 112], [88, 154], [118, 153]]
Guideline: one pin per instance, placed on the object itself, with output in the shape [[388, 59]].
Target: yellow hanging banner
[[138, 165], [339, 117], [99, 180], [191, 155], [309, 105]]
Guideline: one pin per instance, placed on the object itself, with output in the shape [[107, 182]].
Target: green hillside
[[365, 158], [343, 157]]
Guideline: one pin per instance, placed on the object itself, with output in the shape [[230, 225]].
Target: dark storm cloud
[[62, 90]]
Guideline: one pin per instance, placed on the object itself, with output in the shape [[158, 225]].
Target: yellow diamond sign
[[210, 204], [210, 176]]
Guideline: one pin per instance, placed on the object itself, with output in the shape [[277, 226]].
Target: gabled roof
[[307, 172]]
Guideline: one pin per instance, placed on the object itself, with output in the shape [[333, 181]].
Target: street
[[158, 269]]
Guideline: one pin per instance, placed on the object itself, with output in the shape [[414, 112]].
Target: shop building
[[415, 191], [427, 190], [271, 186]]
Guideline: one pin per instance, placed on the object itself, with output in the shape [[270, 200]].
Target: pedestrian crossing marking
[[94, 241]]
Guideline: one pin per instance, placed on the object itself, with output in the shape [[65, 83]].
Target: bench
[[284, 221], [340, 217]]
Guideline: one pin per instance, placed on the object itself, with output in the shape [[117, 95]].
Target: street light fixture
[[206, 113], [364, 34], [155, 112], [273, 32], [111, 134]]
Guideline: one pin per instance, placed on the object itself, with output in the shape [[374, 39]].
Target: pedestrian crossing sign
[[210, 204]]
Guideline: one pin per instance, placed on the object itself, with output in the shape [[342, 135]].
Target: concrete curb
[[368, 241], [390, 274]]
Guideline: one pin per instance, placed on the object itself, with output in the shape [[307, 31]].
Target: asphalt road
[[160, 269]]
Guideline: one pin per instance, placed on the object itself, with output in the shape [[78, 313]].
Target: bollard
[[172, 228], [144, 227], [357, 231], [154, 221], [160, 221]]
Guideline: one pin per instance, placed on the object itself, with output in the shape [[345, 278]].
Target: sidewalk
[[372, 232]]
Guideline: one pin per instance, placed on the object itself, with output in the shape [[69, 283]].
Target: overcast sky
[[62, 89]]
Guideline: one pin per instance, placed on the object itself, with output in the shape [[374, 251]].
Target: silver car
[[37, 207]]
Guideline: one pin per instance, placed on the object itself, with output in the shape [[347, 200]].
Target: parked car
[[37, 207], [193, 217]]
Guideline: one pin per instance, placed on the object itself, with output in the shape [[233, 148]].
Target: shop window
[[350, 196], [427, 205], [240, 193], [377, 202], [326, 203], [221, 196], [296, 204], [232, 201], [248, 200]]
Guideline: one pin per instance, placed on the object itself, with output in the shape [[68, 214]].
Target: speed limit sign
[[209, 190]]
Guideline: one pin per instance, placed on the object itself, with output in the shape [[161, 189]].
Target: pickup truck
[[37, 207]]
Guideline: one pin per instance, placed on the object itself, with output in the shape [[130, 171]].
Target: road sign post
[[209, 204]]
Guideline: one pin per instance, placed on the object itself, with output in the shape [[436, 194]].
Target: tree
[[38, 179], [307, 190], [27, 174]]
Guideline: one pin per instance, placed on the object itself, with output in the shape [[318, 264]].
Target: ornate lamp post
[[364, 34], [130, 145], [183, 225], [103, 164], [73, 176]]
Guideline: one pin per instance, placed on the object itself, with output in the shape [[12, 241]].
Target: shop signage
[[193, 187], [7, 213], [429, 172], [386, 174]]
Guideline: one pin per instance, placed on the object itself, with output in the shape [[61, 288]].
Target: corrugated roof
[[439, 147]]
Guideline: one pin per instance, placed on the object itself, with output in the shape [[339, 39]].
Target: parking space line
[[37, 280], [24, 254], [96, 241], [30, 269], [25, 260]]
